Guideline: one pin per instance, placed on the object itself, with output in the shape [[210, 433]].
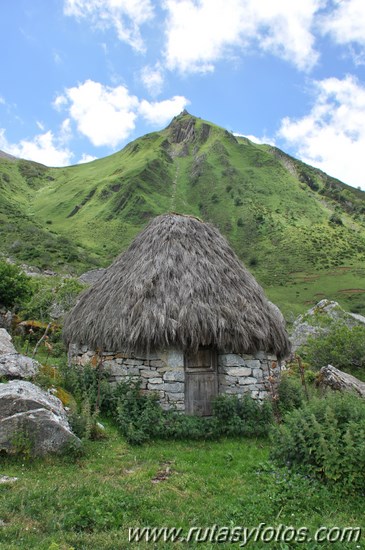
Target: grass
[[91, 502]]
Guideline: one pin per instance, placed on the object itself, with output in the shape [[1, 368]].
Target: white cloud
[[40, 125], [59, 102], [86, 158], [44, 148], [2, 100], [259, 140], [107, 115], [200, 32], [346, 23], [332, 135], [161, 112], [153, 79], [125, 16], [104, 114]]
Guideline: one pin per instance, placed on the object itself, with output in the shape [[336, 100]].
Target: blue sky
[[82, 78]]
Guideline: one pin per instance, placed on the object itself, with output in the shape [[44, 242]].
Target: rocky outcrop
[[33, 421], [335, 379], [318, 320], [13, 364]]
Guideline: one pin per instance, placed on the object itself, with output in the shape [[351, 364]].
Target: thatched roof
[[178, 284]]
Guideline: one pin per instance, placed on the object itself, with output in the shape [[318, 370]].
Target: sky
[[82, 78]]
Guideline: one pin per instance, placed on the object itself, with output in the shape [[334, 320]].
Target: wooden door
[[201, 384]]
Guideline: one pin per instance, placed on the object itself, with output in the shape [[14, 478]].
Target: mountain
[[301, 232]]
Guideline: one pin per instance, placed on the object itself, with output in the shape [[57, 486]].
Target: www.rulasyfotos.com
[[245, 535]]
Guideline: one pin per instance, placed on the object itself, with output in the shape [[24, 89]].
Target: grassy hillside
[[299, 231]]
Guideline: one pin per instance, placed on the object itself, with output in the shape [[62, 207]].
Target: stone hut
[[180, 310]]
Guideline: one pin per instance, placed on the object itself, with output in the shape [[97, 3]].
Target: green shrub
[[290, 394], [335, 219], [325, 439], [242, 416], [343, 347], [51, 292], [141, 418], [87, 383], [92, 393], [15, 286]]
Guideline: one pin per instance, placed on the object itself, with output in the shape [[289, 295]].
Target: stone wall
[[163, 372], [240, 374]]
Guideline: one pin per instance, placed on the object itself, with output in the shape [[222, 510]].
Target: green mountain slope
[[300, 232]]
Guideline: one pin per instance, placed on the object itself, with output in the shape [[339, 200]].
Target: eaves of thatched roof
[[179, 284]]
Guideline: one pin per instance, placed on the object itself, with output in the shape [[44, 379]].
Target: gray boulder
[[336, 379], [6, 345], [318, 320], [33, 420], [14, 364]]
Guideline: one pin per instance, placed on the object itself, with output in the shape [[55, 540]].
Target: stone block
[[146, 373], [175, 359], [253, 363], [134, 362], [175, 396], [116, 370], [231, 360], [156, 363], [174, 387], [177, 375], [226, 380], [127, 370], [154, 381], [233, 390], [239, 371], [258, 373], [244, 381]]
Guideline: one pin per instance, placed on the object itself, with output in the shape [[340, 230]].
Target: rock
[[92, 276], [6, 319], [13, 364], [6, 345], [33, 420], [337, 380], [231, 360], [8, 479], [19, 396], [317, 321], [301, 332]]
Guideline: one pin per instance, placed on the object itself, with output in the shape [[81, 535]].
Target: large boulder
[[14, 364], [336, 379], [33, 420], [318, 320]]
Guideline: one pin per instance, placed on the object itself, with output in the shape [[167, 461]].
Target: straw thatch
[[179, 284]]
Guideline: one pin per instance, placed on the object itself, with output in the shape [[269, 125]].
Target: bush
[[15, 286], [92, 392], [335, 219], [50, 296], [140, 417], [290, 394], [343, 347], [325, 439], [242, 416]]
